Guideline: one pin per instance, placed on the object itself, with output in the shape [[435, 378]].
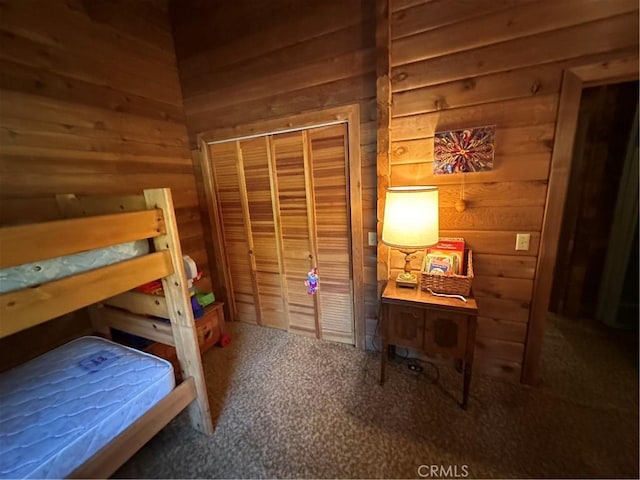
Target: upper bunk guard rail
[[41, 241], [30, 306]]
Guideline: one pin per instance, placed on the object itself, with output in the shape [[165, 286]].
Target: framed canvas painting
[[465, 150]]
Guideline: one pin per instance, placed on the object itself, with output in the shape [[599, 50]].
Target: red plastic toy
[[225, 340]]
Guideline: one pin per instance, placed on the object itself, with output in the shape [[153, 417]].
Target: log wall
[[90, 103]]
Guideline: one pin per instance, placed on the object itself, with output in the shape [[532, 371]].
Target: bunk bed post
[[179, 307]]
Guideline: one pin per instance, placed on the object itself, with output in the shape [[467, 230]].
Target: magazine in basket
[[438, 279], [445, 258]]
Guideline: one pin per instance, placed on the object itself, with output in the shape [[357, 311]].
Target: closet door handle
[[310, 257], [250, 252]]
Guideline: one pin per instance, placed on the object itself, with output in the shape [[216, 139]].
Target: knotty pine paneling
[[411, 17], [482, 63], [90, 103], [281, 58], [495, 24], [575, 41], [511, 84]]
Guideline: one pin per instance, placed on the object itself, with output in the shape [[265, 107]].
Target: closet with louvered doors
[[283, 208]]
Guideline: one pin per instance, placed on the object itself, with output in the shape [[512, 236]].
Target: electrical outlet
[[522, 241], [373, 239]]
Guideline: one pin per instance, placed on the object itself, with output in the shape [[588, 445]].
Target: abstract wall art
[[463, 151]]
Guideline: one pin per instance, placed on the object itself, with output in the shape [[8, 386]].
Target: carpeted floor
[[293, 407]]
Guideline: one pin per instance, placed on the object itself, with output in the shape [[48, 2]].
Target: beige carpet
[[293, 407]]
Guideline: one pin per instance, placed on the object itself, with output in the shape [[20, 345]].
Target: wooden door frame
[[349, 114], [574, 80]]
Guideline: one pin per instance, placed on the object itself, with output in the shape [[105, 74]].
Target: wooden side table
[[210, 327], [436, 325]]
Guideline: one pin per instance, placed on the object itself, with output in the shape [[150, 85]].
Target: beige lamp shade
[[411, 217]]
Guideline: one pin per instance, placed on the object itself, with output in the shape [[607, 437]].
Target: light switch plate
[[373, 239], [522, 241]]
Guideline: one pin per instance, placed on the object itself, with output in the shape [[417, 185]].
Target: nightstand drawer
[[445, 333], [406, 328]]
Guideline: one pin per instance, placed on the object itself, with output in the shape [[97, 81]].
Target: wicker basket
[[451, 284]]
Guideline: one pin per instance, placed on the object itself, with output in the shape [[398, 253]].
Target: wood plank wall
[[245, 61], [456, 64], [90, 103]]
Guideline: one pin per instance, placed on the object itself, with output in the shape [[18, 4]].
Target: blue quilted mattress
[[59, 409]]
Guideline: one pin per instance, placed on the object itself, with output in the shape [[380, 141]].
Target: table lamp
[[410, 223]]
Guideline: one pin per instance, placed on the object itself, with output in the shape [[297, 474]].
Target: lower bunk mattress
[[61, 408]]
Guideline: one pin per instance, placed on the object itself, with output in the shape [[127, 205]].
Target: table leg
[[383, 362], [467, 367], [384, 353], [458, 364], [466, 384]]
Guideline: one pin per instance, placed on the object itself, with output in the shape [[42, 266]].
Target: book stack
[[445, 258]]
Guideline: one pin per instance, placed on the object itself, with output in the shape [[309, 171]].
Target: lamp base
[[407, 280]]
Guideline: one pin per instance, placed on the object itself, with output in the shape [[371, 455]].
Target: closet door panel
[[329, 166], [284, 208], [288, 158], [257, 176], [227, 182]]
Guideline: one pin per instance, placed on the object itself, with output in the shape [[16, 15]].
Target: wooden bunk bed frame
[[153, 218]]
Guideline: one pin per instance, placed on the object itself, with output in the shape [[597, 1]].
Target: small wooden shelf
[[210, 326]]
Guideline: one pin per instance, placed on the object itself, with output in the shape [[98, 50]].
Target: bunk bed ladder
[[179, 307]]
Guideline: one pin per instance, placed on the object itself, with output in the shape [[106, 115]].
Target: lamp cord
[[448, 295]]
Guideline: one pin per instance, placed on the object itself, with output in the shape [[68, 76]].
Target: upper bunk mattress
[[59, 409], [36, 273]]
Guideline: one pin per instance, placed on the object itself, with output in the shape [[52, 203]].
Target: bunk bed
[[107, 291]]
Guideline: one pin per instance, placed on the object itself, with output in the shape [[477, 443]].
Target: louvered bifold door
[[261, 198], [329, 166], [284, 209], [228, 181], [288, 155]]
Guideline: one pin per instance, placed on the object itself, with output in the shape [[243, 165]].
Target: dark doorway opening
[[589, 256]]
